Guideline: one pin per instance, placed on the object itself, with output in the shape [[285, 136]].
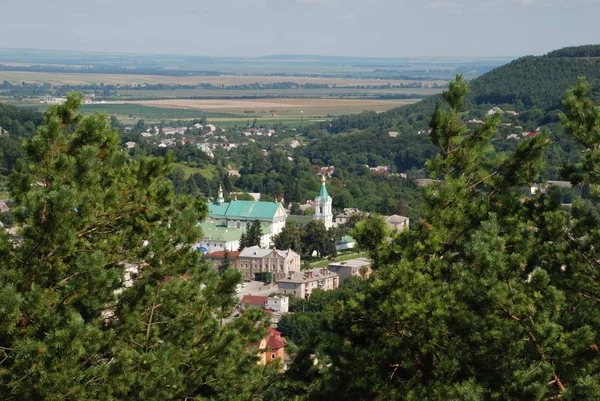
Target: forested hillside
[[15, 124], [529, 83], [531, 88]]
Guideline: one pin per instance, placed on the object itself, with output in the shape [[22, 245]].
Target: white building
[[323, 203], [278, 304]]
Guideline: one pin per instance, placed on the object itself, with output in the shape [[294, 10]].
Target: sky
[[370, 28]]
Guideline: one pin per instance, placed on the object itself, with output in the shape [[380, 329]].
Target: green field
[[208, 172]]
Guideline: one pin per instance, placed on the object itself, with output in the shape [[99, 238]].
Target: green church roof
[[323, 194], [244, 209], [221, 234], [226, 234]]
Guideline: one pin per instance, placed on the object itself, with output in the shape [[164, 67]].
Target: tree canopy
[[104, 296]]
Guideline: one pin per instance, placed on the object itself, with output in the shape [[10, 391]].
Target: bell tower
[[323, 203]]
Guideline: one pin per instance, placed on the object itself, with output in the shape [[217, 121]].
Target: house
[[544, 187], [130, 145], [254, 262], [302, 283], [174, 131], [359, 267], [494, 110], [343, 217], [397, 222], [380, 169], [217, 257], [346, 242], [4, 207], [278, 304], [393, 134], [253, 302], [233, 173], [272, 347]]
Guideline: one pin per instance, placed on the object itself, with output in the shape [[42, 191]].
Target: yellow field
[[277, 105], [123, 79]]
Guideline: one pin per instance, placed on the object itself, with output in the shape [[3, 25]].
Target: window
[[321, 210], [272, 356]]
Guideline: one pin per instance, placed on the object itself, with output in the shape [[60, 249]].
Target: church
[[227, 221], [323, 208]]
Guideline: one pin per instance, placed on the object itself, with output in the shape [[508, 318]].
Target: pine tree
[[225, 263], [477, 302], [73, 323]]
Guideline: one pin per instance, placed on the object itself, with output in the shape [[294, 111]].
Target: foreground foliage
[[75, 323], [494, 296]]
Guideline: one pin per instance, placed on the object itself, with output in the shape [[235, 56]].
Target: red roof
[[221, 254], [274, 342], [273, 332], [253, 300], [531, 134]]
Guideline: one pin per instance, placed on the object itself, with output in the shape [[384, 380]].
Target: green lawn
[[208, 172]]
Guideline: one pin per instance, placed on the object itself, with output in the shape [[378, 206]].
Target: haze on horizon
[[375, 28]]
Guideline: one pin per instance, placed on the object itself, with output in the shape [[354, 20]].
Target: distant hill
[[533, 85]]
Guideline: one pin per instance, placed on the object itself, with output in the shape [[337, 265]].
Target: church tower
[[220, 199], [323, 206]]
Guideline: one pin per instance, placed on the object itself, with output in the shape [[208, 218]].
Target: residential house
[[272, 347], [544, 187], [302, 283], [380, 169], [217, 257], [174, 131], [130, 145], [342, 218], [393, 134], [359, 267], [278, 304], [253, 262], [253, 302], [397, 222], [346, 242]]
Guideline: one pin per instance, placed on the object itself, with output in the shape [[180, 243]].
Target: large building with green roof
[[227, 221]]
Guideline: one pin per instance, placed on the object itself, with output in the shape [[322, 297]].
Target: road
[[257, 288]]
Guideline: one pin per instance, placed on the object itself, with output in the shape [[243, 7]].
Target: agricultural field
[[126, 79], [288, 111], [231, 112], [337, 92]]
